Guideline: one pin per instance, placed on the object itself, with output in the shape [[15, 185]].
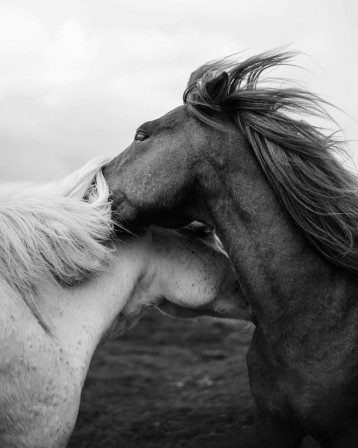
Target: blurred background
[[77, 77]]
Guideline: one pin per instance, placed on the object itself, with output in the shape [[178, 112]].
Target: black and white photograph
[[178, 224]]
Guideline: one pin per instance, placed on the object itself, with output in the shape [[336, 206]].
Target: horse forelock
[[297, 158], [59, 231]]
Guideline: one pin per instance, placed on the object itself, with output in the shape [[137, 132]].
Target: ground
[[169, 384]]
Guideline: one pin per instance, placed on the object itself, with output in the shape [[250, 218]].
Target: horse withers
[[67, 285], [240, 155]]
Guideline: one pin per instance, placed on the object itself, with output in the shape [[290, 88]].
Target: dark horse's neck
[[305, 309], [279, 270]]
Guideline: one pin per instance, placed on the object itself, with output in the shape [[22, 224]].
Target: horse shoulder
[[39, 388]]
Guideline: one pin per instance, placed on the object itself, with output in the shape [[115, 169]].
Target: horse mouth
[[182, 312]]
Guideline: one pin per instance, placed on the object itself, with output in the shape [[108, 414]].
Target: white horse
[[66, 285]]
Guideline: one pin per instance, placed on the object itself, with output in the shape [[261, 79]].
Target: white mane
[[58, 231]]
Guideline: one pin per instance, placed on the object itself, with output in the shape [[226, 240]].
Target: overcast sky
[[78, 76]]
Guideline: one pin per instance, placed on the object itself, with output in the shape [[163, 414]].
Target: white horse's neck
[[82, 317], [41, 375], [52, 369]]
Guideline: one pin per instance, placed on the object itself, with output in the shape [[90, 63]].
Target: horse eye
[[140, 136]]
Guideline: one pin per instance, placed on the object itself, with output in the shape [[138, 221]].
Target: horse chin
[[180, 312], [124, 214], [172, 220], [181, 217]]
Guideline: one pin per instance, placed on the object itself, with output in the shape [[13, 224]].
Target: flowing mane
[[320, 195], [59, 231]]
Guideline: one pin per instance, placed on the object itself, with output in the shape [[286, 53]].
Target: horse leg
[[271, 431]]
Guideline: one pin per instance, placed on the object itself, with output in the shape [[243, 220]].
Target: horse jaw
[[172, 310], [218, 308]]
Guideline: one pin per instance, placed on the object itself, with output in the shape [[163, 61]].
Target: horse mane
[[297, 158], [59, 231]]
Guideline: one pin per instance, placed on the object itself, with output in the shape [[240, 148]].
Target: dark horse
[[239, 156]]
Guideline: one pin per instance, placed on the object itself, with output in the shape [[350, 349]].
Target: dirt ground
[[169, 383]]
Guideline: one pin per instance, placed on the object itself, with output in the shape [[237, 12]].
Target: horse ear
[[218, 85]]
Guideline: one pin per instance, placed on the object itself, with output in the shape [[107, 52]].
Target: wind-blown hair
[[297, 158], [60, 231]]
